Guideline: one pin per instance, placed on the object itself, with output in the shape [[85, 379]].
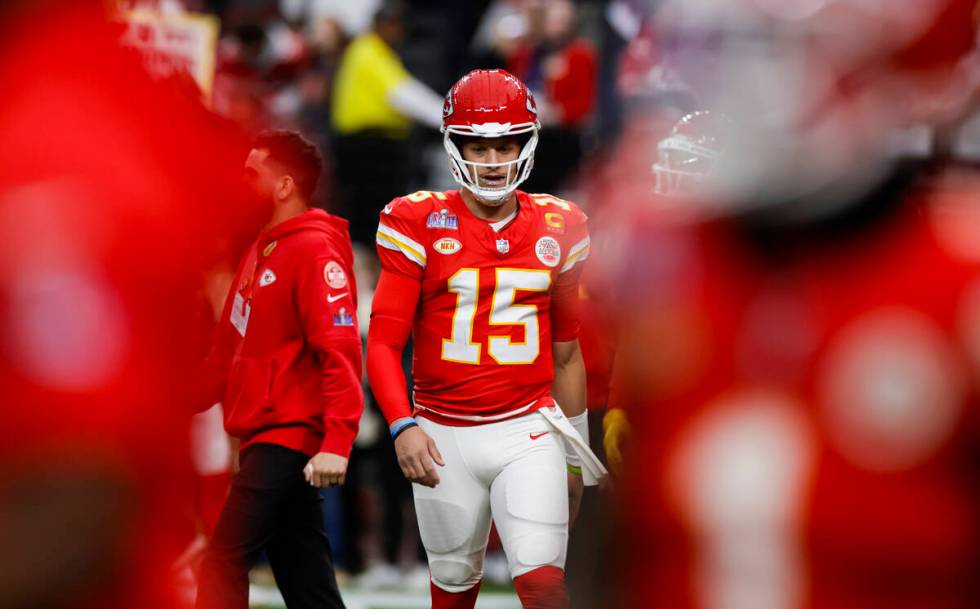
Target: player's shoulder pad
[[414, 207], [572, 214]]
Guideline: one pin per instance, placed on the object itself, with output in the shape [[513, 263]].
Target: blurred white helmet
[[688, 156]]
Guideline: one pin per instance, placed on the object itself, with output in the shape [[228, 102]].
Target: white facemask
[[466, 172]]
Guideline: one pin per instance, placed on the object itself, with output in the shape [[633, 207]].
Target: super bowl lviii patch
[[343, 318], [442, 219]]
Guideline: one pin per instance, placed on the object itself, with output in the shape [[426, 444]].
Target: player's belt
[[477, 418], [592, 468]]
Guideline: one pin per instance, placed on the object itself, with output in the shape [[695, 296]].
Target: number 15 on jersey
[[504, 311]]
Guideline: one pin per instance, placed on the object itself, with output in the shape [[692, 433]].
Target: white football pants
[[511, 470]]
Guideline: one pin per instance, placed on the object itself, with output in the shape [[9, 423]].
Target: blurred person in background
[[499, 33], [286, 363], [505, 423], [560, 68], [798, 305], [375, 102], [117, 194], [242, 63]]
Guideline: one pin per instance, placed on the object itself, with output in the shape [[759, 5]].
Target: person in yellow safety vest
[[375, 103]]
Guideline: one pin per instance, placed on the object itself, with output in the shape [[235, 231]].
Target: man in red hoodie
[[288, 354]]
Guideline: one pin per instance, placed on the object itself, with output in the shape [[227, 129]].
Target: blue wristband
[[401, 425]]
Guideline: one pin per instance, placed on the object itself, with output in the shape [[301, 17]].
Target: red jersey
[[484, 325], [808, 414]]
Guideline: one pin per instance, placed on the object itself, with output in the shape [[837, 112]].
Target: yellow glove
[[616, 434]]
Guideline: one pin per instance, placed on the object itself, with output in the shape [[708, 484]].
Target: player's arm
[[330, 326], [568, 390], [392, 314], [569, 385]]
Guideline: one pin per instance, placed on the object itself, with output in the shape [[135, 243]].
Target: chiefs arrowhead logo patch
[[447, 106]]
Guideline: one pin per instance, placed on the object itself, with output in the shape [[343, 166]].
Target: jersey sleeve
[[326, 299], [577, 243], [399, 239], [392, 313], [566, 296]]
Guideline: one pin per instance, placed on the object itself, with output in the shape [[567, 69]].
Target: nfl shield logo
[[503, 246]]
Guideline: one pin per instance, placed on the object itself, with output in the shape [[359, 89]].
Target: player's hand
[[575, 489], [418, 456], [326, 469], [616, 434]]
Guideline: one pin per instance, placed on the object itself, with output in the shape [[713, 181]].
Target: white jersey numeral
[[459, 347], [422, 195], [465, 283], [505, 312], [545, 200]]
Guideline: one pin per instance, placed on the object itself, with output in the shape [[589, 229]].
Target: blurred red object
[[804, 409], [117, 195], [798, 343]]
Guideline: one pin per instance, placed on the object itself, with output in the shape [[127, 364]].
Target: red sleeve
[[392, 314], [329, 316], [565, 299], [399, 242]]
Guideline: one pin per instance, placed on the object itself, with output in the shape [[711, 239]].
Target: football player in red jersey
[[486, 277]]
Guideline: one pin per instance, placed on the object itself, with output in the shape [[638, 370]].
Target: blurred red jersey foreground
[[806, 433], [117, 196]]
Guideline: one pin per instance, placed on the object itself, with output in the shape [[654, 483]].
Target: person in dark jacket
[[287, 356]]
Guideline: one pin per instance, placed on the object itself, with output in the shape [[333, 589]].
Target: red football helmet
[[490, 103]]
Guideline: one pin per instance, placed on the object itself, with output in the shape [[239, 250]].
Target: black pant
[[272, 508]]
